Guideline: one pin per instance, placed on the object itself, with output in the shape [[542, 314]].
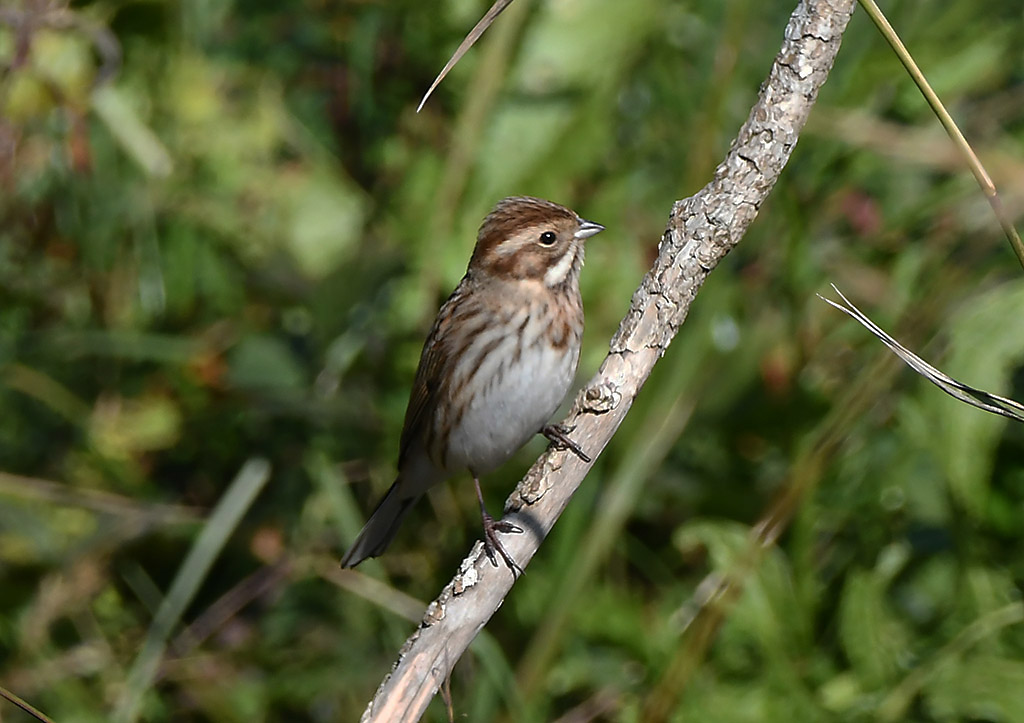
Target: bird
[[496, 365]]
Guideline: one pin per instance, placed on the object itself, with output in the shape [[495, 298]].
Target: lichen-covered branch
[[702, 229]]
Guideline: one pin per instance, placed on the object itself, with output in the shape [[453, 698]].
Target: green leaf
[[978, 688], [325, 221], [135, 137], [768, 611], [265, 362], [873, 639], [122, 428]]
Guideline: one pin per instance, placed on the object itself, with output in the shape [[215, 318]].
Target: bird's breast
[[516, 375]]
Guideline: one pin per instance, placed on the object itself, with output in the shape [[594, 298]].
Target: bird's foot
[[491, 529], [493, 545], [558, 435]]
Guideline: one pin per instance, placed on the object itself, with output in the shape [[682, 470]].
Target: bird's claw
[[558, 435], [492, 544]]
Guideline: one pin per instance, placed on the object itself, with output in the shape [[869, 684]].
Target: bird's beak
[[588, 229]]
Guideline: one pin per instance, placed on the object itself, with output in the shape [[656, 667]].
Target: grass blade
[[223, 521], [987, 186], [958, 390], [467, 43]]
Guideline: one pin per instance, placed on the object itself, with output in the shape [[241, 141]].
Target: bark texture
[[701, 230]]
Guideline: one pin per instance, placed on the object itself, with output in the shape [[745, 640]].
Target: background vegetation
[[228, 247]]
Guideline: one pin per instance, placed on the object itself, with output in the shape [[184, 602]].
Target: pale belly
[[511, 405]]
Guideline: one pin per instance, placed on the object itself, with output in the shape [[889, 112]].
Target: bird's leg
[[558, 435], [491, 529]]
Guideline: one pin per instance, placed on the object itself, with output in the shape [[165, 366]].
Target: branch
[[701, 231]]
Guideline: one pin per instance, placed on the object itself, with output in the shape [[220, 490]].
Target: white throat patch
[[557, 273]]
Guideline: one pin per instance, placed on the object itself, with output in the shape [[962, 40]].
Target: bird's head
[[526, 238]]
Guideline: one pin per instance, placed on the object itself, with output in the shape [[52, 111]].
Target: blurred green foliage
[[224, 232]]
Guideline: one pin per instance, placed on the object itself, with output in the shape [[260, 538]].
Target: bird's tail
[[381, 528]]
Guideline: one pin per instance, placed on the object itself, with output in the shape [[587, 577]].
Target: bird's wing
[[430, 374]]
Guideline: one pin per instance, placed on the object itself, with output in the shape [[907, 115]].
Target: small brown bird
[[496, 365]]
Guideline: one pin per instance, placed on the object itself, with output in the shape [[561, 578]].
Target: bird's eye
[[548, 238]]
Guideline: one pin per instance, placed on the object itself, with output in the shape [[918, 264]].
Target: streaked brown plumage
[[496, 365]]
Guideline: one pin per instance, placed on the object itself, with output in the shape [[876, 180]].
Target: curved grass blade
[[474, 35], [958, 390]]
